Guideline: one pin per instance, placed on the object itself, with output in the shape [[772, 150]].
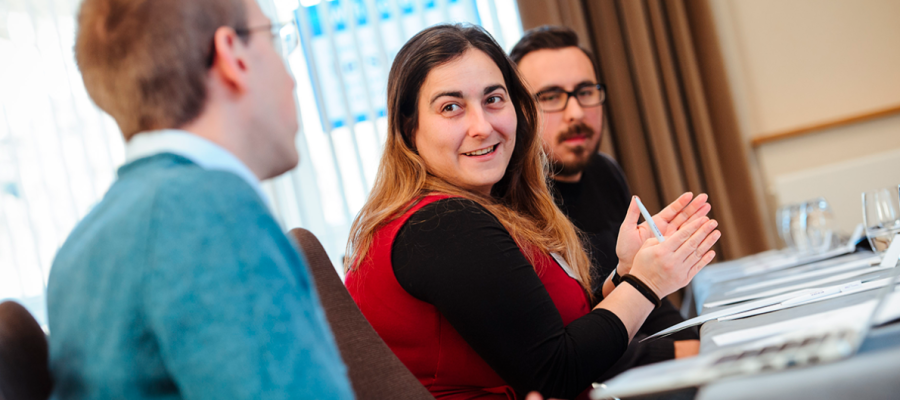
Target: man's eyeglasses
[[285, 35], [285, 38], [554, 100]]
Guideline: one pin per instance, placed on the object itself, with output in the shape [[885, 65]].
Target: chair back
[[24, 358], [374, 370]]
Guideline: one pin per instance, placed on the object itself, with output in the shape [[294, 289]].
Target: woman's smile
[[482, 152]]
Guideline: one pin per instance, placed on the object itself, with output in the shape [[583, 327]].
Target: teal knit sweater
[[180, 285]]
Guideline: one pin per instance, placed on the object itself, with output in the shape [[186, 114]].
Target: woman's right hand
[[632, 235], [670, 265]]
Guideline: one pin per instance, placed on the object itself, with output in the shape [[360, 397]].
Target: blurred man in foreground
[[180, 284]]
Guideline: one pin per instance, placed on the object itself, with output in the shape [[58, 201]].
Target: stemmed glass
[[880, 216]]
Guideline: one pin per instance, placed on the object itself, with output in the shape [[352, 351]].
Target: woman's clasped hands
[[668, 266]]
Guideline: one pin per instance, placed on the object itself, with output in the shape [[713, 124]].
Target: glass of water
[[880, 216], [783, 225], [819, 224], [797, 218]]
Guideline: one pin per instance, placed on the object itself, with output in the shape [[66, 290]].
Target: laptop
[[797, 349]]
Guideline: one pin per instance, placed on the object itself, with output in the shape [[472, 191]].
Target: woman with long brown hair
[[460, 259]]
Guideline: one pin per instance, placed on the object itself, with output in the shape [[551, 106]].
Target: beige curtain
[[670, 119]]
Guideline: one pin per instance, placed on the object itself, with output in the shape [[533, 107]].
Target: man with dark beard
[[589, 187]]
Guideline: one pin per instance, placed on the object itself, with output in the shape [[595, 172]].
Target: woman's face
[[467, 124]]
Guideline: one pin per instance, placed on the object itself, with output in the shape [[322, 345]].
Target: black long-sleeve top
[[457, 256], [597, 205]]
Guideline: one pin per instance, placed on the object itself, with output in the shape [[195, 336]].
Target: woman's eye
[[450, 108], [494, 99]]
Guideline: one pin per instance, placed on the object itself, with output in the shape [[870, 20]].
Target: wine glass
[[880, 216]]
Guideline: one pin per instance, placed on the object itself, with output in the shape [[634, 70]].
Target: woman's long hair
[[521, 199]]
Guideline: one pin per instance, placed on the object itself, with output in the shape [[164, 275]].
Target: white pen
[[649, 219], [819, 293]]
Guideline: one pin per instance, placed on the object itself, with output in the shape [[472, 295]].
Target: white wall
[[801, 63]]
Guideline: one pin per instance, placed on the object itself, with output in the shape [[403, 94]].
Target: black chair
[[24, 369], [374, 370]]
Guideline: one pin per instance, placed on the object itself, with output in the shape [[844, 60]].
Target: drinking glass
[[783, 225], [880, 216], [798, 227], [819, 224]]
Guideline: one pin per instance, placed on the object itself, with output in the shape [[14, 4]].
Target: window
[[341, 72], [59, 153]]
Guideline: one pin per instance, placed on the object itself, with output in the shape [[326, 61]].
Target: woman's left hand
[[633, 235]]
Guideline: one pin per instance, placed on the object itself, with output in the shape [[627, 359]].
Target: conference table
[[872, 372]]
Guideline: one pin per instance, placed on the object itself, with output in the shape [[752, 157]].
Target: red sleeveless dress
[[423, 339]]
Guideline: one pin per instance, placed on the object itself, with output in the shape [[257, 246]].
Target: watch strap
[[642, 288], [616, 279]]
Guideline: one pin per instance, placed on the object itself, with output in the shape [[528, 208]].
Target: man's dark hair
[[548, 37]]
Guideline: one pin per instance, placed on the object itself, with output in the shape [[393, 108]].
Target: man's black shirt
[[597, 205]]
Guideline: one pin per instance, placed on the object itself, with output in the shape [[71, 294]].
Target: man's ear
[[229, 59]]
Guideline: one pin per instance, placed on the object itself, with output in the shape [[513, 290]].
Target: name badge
[[565, 266]]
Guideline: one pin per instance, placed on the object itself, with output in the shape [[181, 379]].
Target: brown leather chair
[[24, 369], [374, 370]]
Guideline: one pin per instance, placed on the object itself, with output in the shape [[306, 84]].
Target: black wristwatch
[[643, 289], [616, 279]]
